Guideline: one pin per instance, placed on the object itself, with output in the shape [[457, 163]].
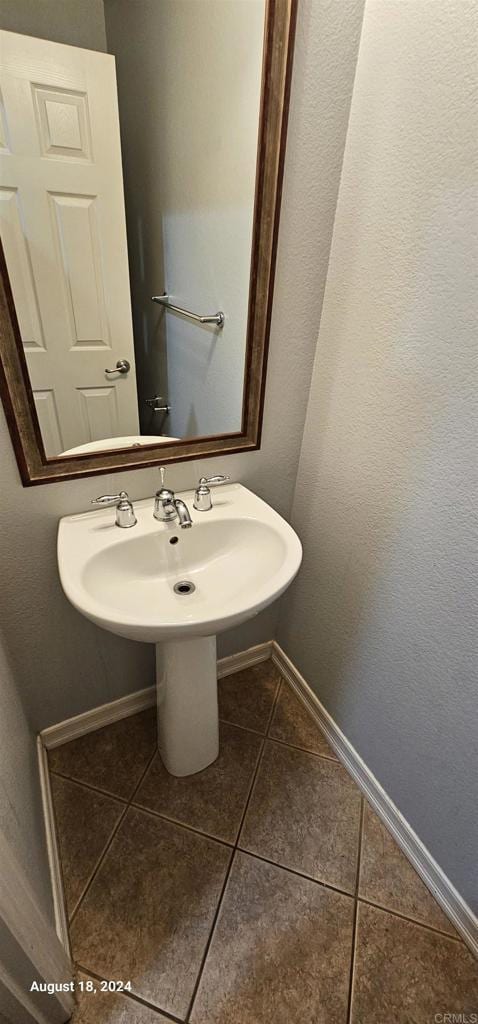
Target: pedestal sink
[[177, 589]]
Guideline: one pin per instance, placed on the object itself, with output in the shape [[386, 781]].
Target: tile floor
[[261, 891]]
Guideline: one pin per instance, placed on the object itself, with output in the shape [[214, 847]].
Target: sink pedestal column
[[188, 726]]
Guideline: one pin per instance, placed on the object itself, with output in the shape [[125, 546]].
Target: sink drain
[[184, 587]]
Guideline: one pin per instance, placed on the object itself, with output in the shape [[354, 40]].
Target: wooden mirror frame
[[15, 388]]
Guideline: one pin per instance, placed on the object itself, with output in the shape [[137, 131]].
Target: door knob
[[122, 366]]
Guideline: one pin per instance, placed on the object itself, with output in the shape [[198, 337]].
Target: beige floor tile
[[212, 801], [84, 823], [407, 974], [292, 723], [112, 759], [304, 813], [387, 878], [281, 951], [111, 1008], [247, 698], [148, 913]]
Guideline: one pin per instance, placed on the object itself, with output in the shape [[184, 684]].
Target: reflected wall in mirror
[[141, 146]]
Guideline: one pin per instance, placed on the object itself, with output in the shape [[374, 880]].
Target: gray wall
[[382, 620], [62, 663], [20, 802], [75, 22]]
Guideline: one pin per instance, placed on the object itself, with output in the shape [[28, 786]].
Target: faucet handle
[[125, 516], [108, 499], [202, 495], [209, 481], [165, 493], [164, 510]]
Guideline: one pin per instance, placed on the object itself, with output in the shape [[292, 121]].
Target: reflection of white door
[[63, 229]]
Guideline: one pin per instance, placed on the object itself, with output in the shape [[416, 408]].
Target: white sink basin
[[238, 557]]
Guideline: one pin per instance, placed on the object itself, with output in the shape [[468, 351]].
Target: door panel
[[20, 268], [47, 413], [99, 410], [76, 226], [63, 123]]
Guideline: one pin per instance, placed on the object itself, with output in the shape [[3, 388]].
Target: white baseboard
[[59, 905], [453, 905], [106, 714], [459, 913], [236, 662]]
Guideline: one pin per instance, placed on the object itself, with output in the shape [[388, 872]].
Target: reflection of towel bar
[[155, 404], [215, 318]]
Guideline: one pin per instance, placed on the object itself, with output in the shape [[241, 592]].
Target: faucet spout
[[167, 506], [182, 510]]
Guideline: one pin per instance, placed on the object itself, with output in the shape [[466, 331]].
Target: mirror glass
[[128, 153]]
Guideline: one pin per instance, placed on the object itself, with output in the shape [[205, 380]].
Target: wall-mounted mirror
[[141, 149]]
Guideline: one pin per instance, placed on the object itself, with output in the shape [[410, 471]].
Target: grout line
[[411, 920], [144, 774], [258, 765], [249, 791], [86, 886], [221, 896], [295, 871], [87, 785], [360, 843], [355, 916], [283, 687], [246, 728], [304, 750], [131, 995], [211, 933], [352, 963], [275, 702], [98, 864], [228, 872], [108, 844], [189, 828]]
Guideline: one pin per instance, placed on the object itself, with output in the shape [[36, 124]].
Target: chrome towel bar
[[215, 318], [156, 406]]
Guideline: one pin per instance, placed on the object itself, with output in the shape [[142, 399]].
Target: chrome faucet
[[125, 517], [168, 507]]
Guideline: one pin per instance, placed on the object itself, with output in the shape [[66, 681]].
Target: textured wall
[[63, 664], [21, 819], [382, 620], [75, 22]]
